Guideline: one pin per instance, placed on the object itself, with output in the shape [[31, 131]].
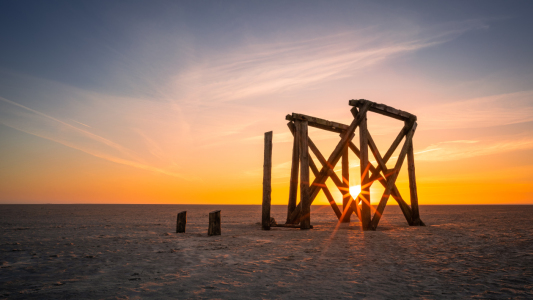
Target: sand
[[132, 251]]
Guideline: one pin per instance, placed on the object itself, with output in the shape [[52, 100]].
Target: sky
[[168, 101]]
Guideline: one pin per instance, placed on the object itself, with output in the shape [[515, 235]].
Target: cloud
[[31, 121], [455, 150], [479, 112]]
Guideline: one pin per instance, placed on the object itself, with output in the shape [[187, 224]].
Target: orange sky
[[121, 109]]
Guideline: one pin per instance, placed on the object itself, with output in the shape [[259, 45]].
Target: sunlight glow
[[355, 190]]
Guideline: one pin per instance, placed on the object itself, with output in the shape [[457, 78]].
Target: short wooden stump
[[214, 223]]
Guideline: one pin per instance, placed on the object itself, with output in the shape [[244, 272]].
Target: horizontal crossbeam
[[318, 122], [383, 109]]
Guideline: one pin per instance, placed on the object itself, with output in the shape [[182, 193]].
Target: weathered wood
[[383, 109], [346, 180], [267, 177], [315, 171], [391, 180], [181, 222], [333, 158], [406, 210], [366, 213], [214, 223], [412, 186], [293, 187], [305, 200], [318, 122]]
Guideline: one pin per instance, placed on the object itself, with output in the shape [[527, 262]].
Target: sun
[[355, 190]]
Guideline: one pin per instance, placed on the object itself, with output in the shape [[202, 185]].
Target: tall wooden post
[[412, 187], [305, 199], [346, 180], [365, 189], [293, 188], [267, 175]]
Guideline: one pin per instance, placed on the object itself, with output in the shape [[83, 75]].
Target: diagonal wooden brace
[[333, 159]]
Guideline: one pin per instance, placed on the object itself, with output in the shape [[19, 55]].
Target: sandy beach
[[132, 251]]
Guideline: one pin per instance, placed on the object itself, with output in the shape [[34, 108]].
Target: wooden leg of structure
[[293, 188], [214, 223], [365, 184], [267, 187], [392, 179], [305, 222], [412, 186], [181, 222], [315, 171], [346, 180]]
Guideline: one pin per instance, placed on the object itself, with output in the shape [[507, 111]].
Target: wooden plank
[[305, 200], [315, 171], [383, 109], [412, 186], [181, 222], [318, 122], [293, 187], [391, 180], [267, 185], [346, 180], [214, 223], [366, 214], [332, 160]]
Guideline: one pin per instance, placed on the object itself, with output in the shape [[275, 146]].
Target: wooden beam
[[305, 200], [293, 185], [412, 186], [346, 180], [366, 214], [383, 109], [392, 179], [214, 223], [315, 171], [334, 157], [267, 177], [318, 122]]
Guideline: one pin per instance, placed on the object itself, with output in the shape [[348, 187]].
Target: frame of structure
[[299, 213]]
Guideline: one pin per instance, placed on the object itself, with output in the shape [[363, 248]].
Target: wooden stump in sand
[[182, 220], [214, 223]]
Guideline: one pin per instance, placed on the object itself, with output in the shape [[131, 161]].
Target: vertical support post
[[267, 187], [305, 200], [346, 180], [365, 188], [214, 223], [412, 187], [293, 188], [181, 222]]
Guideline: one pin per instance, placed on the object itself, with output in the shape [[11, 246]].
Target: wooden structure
[[299, 213], [214, 223], [181, 222]]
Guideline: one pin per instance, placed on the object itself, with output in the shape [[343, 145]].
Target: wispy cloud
[[34, 122]]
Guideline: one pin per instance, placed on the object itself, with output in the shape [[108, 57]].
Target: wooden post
[[412, 187], [346, 180], [181, 222], [214, 223], [293, 188], [305, 222], [267, 175], [365, 189]]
